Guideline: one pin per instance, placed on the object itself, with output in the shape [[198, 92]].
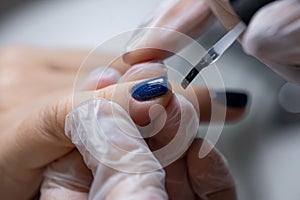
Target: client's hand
[[33, 83]]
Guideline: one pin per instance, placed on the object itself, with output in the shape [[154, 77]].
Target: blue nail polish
[[150, 88]]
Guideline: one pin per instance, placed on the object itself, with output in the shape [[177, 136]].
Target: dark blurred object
[[245, 9], [8, 5]]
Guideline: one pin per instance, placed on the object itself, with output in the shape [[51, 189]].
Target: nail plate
[[233, 99], [150, 88]]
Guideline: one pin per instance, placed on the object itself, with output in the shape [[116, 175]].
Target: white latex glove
[[160, 35], [111, 145], [98, 128], [68, 177], [273, 36]]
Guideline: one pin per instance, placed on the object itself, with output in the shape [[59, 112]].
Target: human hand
[[274, 42], [33, 83], [29, 145], [271, 39], [179, 174]]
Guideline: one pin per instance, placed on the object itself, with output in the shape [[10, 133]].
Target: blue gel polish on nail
[[150, 88]]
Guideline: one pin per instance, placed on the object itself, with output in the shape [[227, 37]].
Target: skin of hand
[[29, 139], [33, 129]]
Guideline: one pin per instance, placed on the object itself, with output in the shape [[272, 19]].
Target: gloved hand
[[272, 35], [112, 147], [119, 174], [171, 18]]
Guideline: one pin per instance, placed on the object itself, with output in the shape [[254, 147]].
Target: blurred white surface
[[71, 23], [280, 165], [260, 173]]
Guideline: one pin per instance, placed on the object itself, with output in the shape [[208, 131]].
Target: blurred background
[[263, 149]]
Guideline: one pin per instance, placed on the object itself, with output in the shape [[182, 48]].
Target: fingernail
[[233, 99], [150, 88]]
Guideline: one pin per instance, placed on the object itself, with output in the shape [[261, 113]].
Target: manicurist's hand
[[162, 33], [272, 35]]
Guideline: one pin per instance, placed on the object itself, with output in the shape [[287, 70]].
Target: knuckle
[[10, 77], [106, 93], [52, 118], [14, 54], [11, 58]]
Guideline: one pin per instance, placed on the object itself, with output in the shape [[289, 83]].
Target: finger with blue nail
[[182, 176], [145, 85]]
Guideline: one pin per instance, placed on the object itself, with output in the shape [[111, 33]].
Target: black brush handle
[[245, 9]]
